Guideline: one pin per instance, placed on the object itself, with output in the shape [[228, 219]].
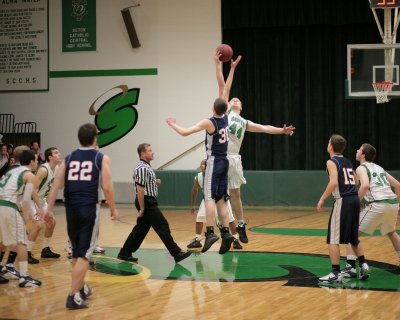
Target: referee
[[149, 215]]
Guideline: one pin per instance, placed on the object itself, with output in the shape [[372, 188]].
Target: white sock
[[46, 242], [236, 236], [23, 268], [240, 222], [198, 237], [29, 245]]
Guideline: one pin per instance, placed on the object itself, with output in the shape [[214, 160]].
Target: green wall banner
[[24, 42], [78, 25]]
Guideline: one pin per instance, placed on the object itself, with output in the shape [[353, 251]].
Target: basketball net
[[382, 89]]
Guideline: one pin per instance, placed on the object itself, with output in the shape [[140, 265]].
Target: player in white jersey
[[237, 128], [45, 175], [15, 194], [382, 204], [201, 213]]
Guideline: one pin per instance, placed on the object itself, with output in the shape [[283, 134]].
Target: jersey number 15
[[348, 174]]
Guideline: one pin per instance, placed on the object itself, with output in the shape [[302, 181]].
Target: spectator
[[36, 148], [3, 159]]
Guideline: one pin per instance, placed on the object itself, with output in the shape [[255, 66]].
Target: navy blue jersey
[[217, 142], [346, 177], [82, 177]]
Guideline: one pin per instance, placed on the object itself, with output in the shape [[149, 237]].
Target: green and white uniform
[[237, 129], [44, 188], [382, 205], [12, 226]]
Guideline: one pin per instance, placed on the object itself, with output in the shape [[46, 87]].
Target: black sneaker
[[241, 229], [27, 281], [3, 280], [237, 245], [75, 302], [48, 254], [181, 255], [195, 244], [127, 258], [210, 239], [226, 242], [32, 259], [348, 272], [219, 225], [86, 291]]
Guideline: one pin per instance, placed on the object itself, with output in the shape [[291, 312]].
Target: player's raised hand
[[289, 130], [170, 120], [234, 63]]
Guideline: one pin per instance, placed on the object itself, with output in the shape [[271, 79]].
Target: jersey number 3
[[80, 171], [224, 135]]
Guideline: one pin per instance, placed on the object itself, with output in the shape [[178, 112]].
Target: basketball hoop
[[382, 89]]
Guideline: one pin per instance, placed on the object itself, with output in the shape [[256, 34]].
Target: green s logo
[[117, 116]]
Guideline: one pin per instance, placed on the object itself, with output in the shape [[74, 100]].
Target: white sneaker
[[99, 249], [364, 272], [329, 278]]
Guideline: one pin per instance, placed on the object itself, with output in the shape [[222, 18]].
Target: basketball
[[226, 52]]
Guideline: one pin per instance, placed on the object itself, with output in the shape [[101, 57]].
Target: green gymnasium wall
[[263, 188]]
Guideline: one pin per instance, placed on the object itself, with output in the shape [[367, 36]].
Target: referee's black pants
[[152, 217]]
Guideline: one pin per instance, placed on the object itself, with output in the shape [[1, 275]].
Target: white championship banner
[[24, 52]]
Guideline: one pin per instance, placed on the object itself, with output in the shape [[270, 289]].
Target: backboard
[[368, 63]]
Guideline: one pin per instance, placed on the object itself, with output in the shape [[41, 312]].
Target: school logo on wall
[[79, 9], [117, 116]]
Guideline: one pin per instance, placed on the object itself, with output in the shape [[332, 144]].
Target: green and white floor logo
[[295, 269]]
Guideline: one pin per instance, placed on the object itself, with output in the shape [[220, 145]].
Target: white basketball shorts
[[379, 215], [12, 226], [235, 171]]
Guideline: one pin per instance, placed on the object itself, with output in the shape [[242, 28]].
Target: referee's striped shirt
[[145, 177]]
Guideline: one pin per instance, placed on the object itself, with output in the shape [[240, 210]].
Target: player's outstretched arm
[[204, 124], [229, 79], [218, 73], [256, 127]]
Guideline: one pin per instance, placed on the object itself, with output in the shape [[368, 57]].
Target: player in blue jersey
[[215, 189], [82, 173], [237, 129], [343, 221]]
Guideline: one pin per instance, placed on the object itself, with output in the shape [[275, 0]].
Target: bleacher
[[17, 133]]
